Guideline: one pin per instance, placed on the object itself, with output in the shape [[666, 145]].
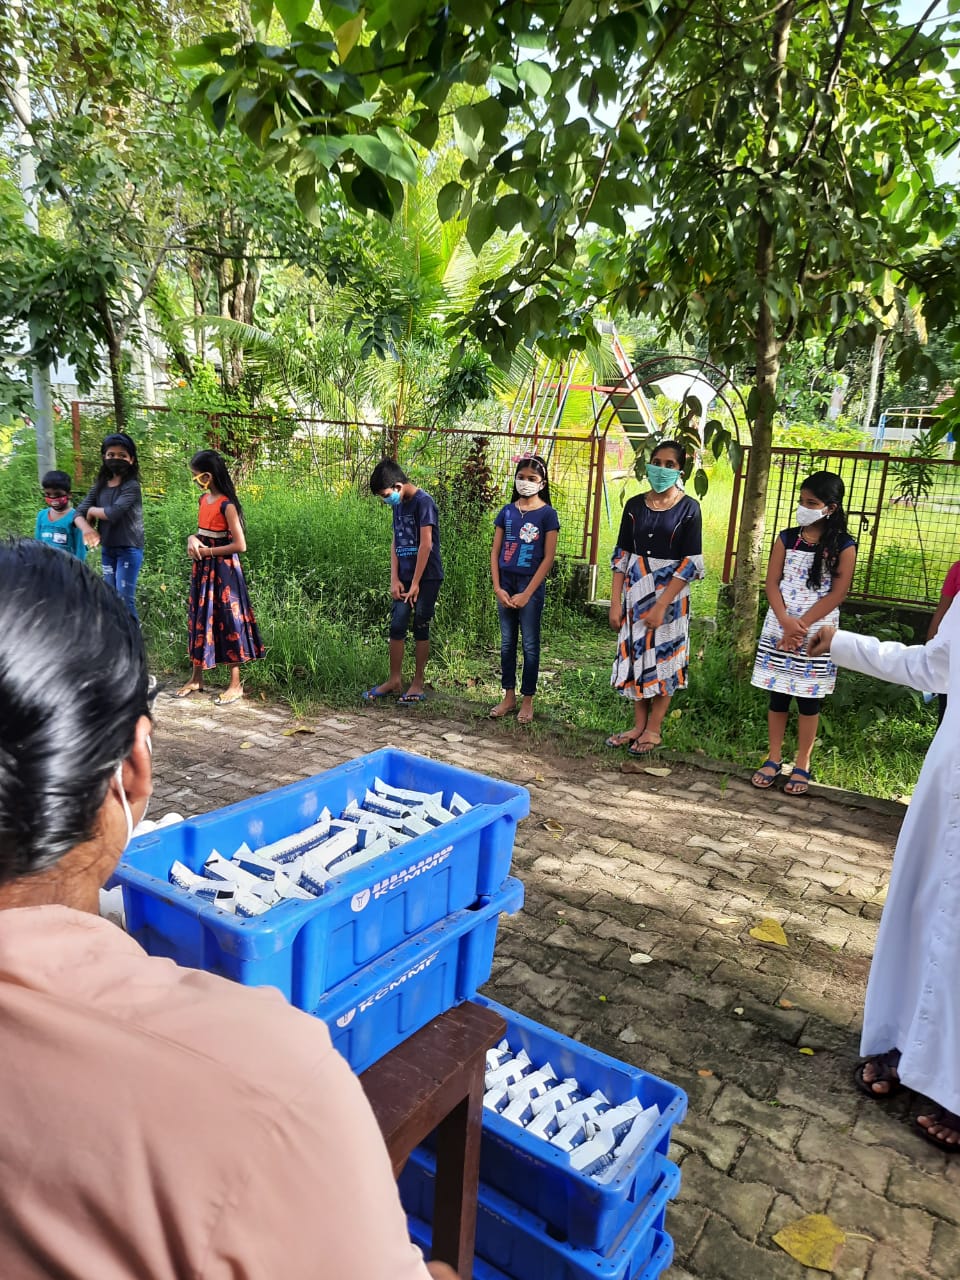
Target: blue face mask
[[392, 499], [662, 478]]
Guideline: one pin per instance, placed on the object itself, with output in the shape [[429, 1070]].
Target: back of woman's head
[[209, 461], [73, 683]]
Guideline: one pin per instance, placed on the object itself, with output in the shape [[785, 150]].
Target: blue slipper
[[408, 699], [800, 787], [374, 694], [767, 779]]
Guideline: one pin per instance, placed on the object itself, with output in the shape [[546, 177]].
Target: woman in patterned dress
[[222, 628], [658, 554], [809, 575]]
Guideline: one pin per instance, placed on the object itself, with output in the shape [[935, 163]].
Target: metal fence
[[322, 455], [904, 513]]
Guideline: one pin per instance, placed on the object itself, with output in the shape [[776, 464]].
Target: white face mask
[[528, 488], [807, 515], [118, 774]]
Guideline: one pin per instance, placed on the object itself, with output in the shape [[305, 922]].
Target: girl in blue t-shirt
[[523, 552]]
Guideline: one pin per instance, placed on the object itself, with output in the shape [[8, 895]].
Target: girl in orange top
[[222, 628]]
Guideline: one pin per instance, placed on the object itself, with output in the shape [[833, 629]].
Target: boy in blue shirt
[[55, 525], [416, 572]]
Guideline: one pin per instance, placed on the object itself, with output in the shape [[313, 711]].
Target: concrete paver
[[678, 868]]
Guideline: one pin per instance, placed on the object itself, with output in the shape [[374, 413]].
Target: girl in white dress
[[911, 1021], [809, 575]]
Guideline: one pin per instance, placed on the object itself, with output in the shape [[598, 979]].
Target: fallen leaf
[[807, 1051], [538, 777], [641, 957], [245, 746], [658, 773], [552, 826], [675, 715], [602, 999], [738, 1012], [629, 1036], [704, 1071], [725, 920], [786, 1004], [770, 931], [453, 737], [814, 1241], [297, 728]]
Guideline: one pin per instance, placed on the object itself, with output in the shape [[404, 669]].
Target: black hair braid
[[829, 488]]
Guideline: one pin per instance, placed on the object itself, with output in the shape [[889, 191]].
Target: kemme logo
[[399, 878], [346, 1018]]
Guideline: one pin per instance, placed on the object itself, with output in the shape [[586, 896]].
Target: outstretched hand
[[819, 644], [440, 1271]]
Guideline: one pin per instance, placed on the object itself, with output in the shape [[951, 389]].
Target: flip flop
[[887, 1064], [227, 700], [375, 694], [185, 693], [640, 748], [409, 699], [801, 788], [768, 781], [618, 740], [941, 1116]]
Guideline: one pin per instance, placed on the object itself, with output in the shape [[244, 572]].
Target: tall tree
[[781, 163]]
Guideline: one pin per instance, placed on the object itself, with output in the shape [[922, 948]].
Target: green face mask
[[662, 478]]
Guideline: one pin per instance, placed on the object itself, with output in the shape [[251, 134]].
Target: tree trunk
[[751, 542], [873, 389], [115, 359]]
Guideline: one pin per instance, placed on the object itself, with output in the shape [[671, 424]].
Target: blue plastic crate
[[519, 1245], [306, 948], [662, 1256], [386, 1002], [535, 1174]]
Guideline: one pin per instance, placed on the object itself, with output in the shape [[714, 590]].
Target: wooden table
[[434, 1080]]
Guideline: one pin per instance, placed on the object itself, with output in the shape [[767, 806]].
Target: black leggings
[[805, 706]]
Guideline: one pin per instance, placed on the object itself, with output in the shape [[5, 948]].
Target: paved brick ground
[[678, 868]]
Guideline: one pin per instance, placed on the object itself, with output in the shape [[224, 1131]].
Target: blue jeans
[[526, 622], [121, 568]]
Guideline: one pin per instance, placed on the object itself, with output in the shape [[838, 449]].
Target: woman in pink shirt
[[156, 1123]]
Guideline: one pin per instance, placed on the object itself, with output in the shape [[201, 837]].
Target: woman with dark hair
[[115, 502], [155, 1122], [222, 628], [659, 552], [808, 577]]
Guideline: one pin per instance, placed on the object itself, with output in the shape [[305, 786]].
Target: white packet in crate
[[498, 1055], [535, 1084], [287, 887], [401, 796], [619, 1120], [631, 1141], [545, 1123], [218, 868], [292, 846], [496, 1099], [594, 1156], [458, 805], [588, 1109], [570, 1136], [372, 803], [247, 905], [508, 1072], [255, 863], [562, 1095]]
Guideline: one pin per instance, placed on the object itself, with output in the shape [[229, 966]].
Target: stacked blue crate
[[386, 947], [541, 1219]]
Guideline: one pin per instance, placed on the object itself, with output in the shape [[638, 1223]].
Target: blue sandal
[[802, 784], [767, 779]]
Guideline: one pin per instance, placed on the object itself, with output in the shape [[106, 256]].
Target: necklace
[[665, 506]]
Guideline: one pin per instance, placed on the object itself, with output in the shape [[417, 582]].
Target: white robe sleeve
[[925, 667]]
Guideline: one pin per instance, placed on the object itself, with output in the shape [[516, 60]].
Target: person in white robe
[[911, 1022]]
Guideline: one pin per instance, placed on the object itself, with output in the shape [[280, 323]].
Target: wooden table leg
[[458, 1164]]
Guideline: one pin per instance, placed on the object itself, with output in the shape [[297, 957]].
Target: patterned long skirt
[[222, 626], [649, 663]]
